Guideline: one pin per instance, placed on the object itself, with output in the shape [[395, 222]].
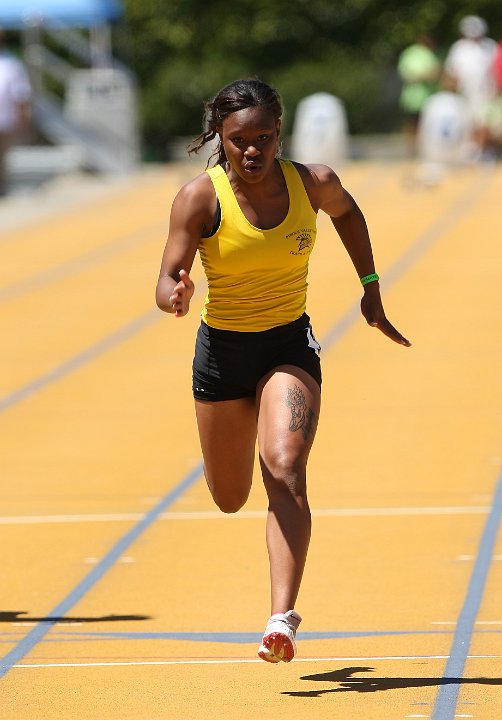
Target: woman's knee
[[228, 493], [284, 474], [229, 502]]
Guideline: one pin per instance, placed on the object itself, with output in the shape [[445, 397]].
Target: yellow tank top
[[257, 279]]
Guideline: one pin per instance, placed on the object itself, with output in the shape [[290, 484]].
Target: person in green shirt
[[419, 69]]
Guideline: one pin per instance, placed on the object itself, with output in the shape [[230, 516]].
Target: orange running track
[[126, 595]]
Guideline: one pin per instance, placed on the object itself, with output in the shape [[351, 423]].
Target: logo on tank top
[[304, 240]]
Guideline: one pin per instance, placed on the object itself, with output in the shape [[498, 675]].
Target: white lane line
[[478, 622], [125, 559], [50, 519], [249, 514], [234, 661]]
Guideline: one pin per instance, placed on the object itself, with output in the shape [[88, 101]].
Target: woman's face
[[250, 138]]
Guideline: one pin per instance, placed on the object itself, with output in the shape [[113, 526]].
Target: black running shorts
[[229, 364]]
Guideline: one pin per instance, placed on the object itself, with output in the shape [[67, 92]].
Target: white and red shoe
[[279, 638]]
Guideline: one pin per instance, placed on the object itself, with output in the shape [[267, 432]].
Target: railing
[[91, 107]]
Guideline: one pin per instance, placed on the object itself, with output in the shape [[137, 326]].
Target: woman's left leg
[[288, 410]]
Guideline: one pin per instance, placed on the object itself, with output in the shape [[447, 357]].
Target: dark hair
[[239, 95]]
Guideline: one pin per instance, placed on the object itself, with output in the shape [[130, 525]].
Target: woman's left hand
[[373, 312]]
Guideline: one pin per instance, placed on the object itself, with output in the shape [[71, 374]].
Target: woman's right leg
[[227, 431]]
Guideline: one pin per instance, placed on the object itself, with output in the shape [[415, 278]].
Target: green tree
[[183, 51]]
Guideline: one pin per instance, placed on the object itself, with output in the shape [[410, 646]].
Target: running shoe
[[279, 639]]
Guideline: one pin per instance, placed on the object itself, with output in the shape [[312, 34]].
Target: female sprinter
[[256, 370]]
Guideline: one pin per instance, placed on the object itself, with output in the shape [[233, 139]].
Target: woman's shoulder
[[200, 183], [316, 176], [197, 192], [314, 171], [195, 204]]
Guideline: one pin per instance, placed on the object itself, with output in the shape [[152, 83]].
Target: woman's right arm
[[191, 215]]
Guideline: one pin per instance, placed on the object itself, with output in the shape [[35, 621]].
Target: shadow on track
[[14, 617], [343, 678]]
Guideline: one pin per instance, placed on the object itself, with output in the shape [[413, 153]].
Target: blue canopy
[[15, 14]]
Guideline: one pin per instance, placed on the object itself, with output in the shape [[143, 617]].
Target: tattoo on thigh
[[302, 417]]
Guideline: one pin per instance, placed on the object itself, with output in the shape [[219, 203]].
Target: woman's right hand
[[182, 294]]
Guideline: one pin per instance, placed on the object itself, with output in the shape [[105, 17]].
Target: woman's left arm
[[330, 196]]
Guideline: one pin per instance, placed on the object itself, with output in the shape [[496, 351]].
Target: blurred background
[[117, 83]]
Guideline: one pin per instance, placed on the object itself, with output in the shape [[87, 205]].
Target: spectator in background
[[498, 67], [419, 69], [15, 95], [470, 62], [492, 140]]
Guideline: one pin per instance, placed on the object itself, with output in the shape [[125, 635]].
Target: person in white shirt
[[15, 96], [470, 62]]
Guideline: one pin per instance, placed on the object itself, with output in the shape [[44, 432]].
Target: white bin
[[444, 130], [320, 131]]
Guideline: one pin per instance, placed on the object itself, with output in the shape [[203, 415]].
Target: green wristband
[[369, 278]]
